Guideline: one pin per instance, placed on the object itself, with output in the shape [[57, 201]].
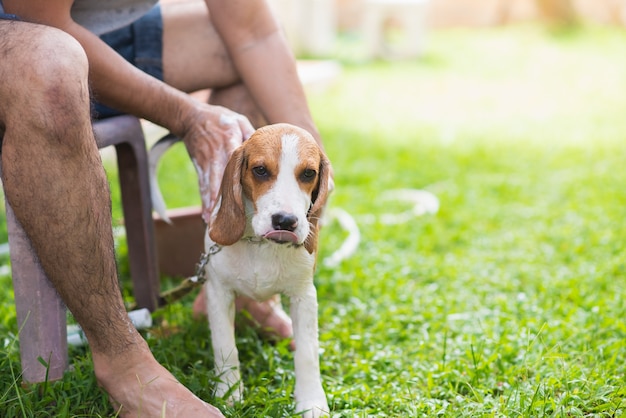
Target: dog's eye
[[308, 175], [260, 171]]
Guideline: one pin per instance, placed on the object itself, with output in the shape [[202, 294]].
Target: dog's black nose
[[284, 221]]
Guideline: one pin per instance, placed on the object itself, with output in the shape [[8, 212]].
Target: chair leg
[[126, 134], [41, 314], [132, 160]]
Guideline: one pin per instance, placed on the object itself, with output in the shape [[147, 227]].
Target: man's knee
[[46, 66], [60, 66]]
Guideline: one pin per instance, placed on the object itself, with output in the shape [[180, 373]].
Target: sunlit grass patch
[[507, 302]]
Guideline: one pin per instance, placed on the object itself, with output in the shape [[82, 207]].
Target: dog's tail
[[154, 155]]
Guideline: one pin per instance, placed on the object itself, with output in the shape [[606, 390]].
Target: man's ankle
[[109, 366]]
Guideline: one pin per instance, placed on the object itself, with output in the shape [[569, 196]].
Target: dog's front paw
[[232, 394], [230, 387], [313, 408]]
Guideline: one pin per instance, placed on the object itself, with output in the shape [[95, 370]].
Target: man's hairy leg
[[55, 183]]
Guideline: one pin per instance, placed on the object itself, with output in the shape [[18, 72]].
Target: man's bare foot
[[269, 316], [138, 386]]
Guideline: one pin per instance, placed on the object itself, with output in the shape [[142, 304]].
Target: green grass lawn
[[508, 302]]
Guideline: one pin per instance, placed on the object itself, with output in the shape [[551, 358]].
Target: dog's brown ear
[[318, 202], [229, 223]]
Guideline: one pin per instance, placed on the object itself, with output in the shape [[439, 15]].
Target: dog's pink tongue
[[282, 236]]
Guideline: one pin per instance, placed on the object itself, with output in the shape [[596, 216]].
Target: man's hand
[[211, 136]]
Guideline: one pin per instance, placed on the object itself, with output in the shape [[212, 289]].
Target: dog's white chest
[[262, 269]]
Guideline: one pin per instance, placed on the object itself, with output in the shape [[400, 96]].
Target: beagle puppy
[[262, 240]]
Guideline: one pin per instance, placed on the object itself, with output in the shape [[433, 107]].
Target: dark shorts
[[141, 44], [6, 16]]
